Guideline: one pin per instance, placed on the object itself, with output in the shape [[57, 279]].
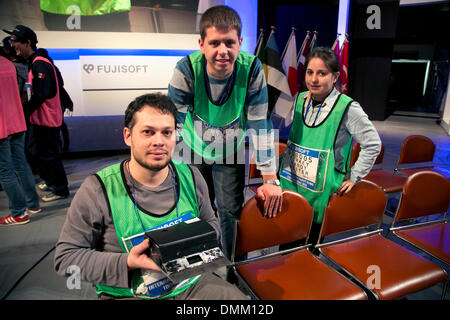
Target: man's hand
[[138, 259], [345, 187], [272, 197]]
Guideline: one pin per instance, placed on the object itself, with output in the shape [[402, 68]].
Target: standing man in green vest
[[103, 231], [325, 121], [220, 92]]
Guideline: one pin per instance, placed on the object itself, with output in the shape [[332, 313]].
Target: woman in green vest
[[316, 161]]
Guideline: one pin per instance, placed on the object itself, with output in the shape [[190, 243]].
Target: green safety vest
[[129, 229], [226, 123], [309, 162], [86, 7]]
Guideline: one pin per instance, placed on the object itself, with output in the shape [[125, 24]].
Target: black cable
[[26, 273]]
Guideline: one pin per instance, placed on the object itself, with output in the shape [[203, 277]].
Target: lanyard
[[134, 193], [309, 97]]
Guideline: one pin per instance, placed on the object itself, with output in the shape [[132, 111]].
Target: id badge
[[153, 283], [28, 86], [216, 136], [305, 167]]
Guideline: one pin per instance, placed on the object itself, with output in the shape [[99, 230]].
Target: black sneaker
[[52, 197]]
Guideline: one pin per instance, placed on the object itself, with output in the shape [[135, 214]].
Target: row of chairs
[[416, 154], [361, 266], [299, 274]]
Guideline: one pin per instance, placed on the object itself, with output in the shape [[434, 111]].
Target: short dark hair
[[153, 100], [220, 17], [328, 57]]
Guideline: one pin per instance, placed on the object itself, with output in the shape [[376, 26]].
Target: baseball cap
[[23, 33]]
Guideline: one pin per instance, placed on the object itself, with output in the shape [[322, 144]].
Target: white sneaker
[[43, 186], [33, 211]]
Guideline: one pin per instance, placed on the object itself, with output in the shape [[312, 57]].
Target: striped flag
[[276, 79], [285, 102]]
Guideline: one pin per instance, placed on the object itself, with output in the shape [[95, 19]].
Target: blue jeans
[[226, 184], [16, 177]]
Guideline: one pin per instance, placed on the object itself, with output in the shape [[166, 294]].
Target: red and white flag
[[304, 52], [344, 67], [285, 102]]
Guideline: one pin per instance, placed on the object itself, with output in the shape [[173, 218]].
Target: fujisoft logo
[[115, 68], [88, 68]]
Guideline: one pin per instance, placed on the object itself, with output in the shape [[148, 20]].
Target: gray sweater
[[88, 238]]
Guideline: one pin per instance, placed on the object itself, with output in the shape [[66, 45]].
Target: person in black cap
[[44, 111]]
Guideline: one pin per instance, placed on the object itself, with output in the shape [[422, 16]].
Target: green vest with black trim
[[217, 131], [145, 283], [309, 164]]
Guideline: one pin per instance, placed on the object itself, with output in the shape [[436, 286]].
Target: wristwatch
[[274, 181]]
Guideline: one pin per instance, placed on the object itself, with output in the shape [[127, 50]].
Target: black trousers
[[44, 146]]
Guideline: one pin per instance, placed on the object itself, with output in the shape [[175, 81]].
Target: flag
[[344, 67], [336, 47], [285, 102], [289, 62], [260, 43], [260, 51], [303, 53], [313, 41], [276, 79]]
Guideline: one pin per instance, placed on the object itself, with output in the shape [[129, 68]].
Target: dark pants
[[226, 185], [226, 182], [44, 145]]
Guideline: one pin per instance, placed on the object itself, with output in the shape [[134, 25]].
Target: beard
[[154, 167]]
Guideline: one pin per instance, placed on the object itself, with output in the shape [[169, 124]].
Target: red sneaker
[[9, 220]]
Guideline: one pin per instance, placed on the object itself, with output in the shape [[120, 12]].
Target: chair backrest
[[416, 149], [362, 206], [355, 153], [254, 231], [424, 193], [254, 173]]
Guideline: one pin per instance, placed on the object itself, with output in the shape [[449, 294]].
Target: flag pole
[[260, 41], [303, 46], [272, 31], [335, 42], [287, 43]]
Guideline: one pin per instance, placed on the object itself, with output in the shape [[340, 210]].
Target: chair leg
[[444, 290]]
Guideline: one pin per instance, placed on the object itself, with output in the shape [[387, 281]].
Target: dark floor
[[26, 251]]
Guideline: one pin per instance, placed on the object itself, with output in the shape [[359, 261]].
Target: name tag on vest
[[155, 283], [305, 167]]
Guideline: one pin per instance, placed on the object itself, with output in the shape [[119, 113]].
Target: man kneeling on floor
[[125, 199]]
